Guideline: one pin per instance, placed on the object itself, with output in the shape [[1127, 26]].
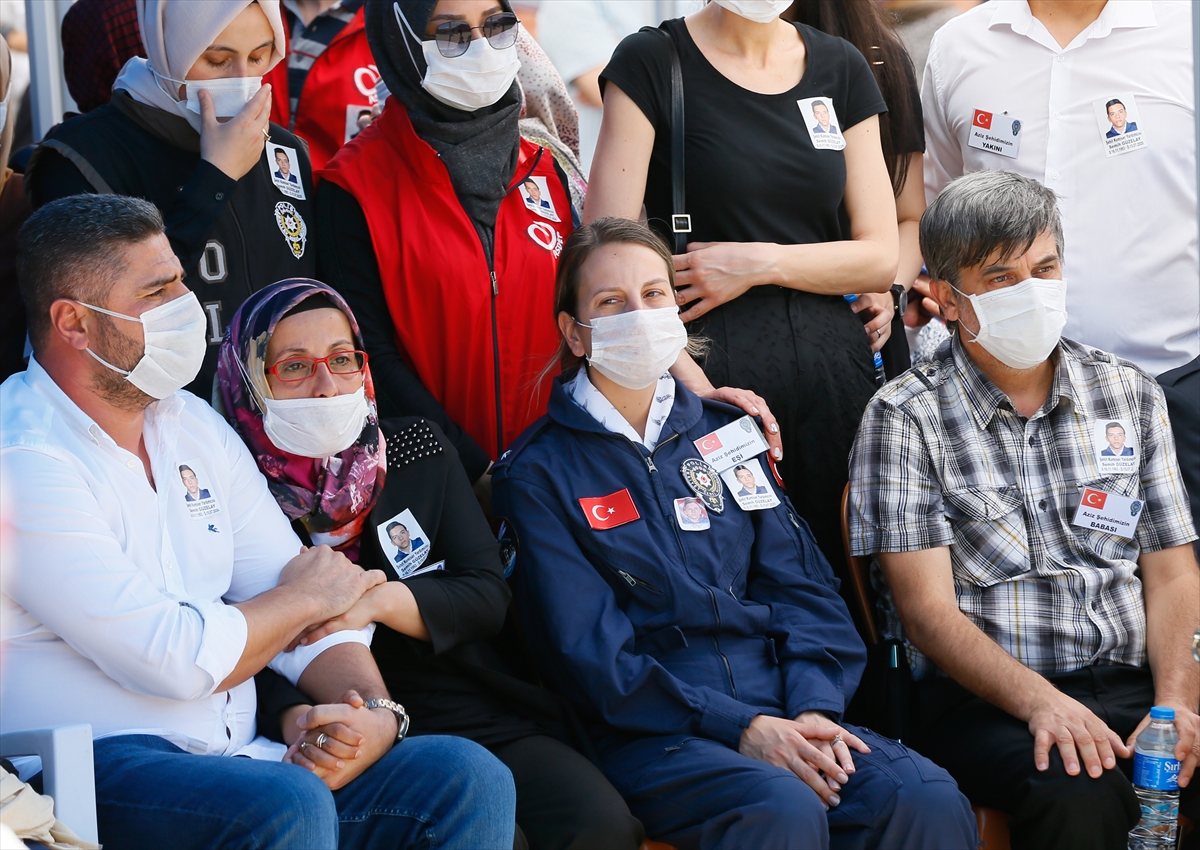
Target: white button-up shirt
[[1129, 220], [114, 610], [584, 393]]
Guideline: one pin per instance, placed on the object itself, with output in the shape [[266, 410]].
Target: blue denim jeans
[[431, 791]]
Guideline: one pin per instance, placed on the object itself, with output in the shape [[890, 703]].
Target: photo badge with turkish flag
[[994, 132], [1111, 513], [604, 512]]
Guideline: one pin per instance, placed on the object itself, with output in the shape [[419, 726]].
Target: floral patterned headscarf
[[332, 498]]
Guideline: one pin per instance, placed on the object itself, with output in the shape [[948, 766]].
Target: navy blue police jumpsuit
[[669, 642]]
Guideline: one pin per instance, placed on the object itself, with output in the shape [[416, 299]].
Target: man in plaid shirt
[[1030, 626]]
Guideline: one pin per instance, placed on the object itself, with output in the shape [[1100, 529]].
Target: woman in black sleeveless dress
[[791, 209]]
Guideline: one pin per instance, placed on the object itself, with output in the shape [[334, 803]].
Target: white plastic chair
[[67, 772]]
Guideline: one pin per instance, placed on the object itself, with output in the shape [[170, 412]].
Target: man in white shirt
[[1039, 74], [146, 615]]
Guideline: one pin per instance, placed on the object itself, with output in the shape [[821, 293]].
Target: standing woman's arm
[[618, 179], [910, 206], [717, 272]]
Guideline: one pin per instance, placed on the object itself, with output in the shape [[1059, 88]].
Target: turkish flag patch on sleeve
[[610, 511]]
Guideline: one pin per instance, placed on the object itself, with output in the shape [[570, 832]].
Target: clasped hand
[[812, 746], [355, 738]]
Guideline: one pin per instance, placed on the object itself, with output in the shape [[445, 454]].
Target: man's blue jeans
[[430, 791]]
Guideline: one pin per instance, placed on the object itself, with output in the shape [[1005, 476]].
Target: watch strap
[[396, 709]]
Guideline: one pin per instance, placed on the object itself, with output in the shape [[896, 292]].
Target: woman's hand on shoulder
[[236, 145], [712, 273]]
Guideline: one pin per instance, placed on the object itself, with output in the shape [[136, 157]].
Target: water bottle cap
[[1162, 712], [850, 298]]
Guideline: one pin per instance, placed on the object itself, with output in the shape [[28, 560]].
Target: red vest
[[339, 86], [476, 337]]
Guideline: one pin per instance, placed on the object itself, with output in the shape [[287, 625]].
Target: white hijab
[[175, 33]]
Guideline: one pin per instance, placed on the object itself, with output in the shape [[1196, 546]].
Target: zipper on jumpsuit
[[716, 611]]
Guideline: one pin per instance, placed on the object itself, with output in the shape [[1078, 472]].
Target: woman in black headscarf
[[443, 229]]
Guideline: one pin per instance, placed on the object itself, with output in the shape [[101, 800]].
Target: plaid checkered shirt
[[944, 459]]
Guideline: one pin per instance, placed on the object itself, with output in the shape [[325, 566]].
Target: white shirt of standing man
[[1129, 220]]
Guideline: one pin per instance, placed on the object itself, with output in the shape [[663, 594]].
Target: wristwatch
[[900, 297], [396, 709]]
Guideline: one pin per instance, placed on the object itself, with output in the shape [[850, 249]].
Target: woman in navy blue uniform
[[711, 661]]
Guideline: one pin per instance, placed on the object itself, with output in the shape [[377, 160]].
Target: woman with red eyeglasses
[[442, 227], [392, 495]]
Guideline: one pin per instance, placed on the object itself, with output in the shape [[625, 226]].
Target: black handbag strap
[[681, 222]]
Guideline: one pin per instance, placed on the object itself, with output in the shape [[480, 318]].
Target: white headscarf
[[175, 33]]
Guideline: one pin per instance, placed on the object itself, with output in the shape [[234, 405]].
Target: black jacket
[[468, 680], [228, 235]]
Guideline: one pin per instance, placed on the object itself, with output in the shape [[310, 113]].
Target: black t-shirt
[[753, 173]]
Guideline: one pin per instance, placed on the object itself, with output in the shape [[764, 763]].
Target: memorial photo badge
[[293, 228], [1119, 124], [536, 195], [285, 170], [195, 491], [358, 118], [821, 119], [749, 486], [1115, 445], [404, 543]]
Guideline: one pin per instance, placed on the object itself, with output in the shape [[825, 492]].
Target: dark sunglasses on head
[[454, 37]]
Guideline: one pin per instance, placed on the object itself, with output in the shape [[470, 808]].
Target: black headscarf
[[479, 148]]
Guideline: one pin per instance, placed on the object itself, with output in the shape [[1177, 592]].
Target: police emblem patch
[[293, 228], [703, 480], [1016, 127]]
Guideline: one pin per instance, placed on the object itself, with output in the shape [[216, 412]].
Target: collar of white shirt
[[1127, 14], [585, 394]]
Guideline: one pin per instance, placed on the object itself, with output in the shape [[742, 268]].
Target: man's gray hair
[[982, 214], [72, 248]]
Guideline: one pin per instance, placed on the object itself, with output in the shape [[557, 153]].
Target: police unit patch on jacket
[[704, 482], [292, 226], [611, 510]]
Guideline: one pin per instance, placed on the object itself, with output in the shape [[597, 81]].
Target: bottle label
[[1156, 774]]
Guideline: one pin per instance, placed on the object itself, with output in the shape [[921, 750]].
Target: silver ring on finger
[[837, 739], [303, 745], [321, 739]]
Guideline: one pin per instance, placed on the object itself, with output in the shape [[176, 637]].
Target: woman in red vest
[[442, 228], [325, 91]]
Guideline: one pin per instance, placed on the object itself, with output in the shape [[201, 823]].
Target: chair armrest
[[68, 774]]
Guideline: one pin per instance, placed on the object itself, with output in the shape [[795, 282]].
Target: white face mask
[[4, 108], [176, 340], [315, 427], [478, 78], [1020, 325], [229, 94], [759, 11], [634, 349]]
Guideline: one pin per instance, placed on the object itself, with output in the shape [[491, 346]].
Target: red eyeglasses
[[299, 368]]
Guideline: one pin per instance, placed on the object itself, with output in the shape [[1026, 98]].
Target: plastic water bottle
[[1156, 781], [877, 358]]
